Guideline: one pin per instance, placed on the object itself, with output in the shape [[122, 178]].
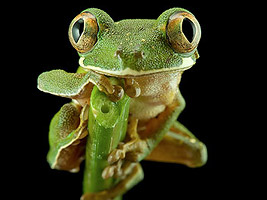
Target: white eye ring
[[177, 38]]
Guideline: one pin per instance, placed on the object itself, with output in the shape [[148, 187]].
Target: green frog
[[149, 56]]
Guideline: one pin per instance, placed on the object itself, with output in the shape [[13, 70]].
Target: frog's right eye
[[83, 32]]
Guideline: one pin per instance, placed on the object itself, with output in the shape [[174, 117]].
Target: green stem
[[107, 126]]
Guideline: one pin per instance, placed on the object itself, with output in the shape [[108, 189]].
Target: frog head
[[134, 47]]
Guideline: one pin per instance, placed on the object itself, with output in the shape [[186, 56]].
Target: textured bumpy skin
[[142, 47], [61, 83], [65, 131], [141, 54]]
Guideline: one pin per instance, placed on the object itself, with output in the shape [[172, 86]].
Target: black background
[[41, 44]]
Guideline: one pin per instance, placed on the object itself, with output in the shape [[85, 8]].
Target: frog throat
[[186, 64]]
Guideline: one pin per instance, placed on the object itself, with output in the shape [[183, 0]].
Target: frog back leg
[[180, 146], [163, 139], [67, 134]]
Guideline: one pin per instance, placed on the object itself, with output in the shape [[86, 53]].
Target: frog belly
[[143, 111], [157, 91]]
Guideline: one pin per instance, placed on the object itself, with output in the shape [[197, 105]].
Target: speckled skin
[[130, 37]]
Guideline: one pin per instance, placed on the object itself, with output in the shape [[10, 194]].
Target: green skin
[[129, 36], [128, 48]]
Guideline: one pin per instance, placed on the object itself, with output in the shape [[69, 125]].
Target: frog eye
[[177, 38], [83, 32]]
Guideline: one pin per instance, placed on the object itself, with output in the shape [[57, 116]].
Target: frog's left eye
[[83, 32], [177, 38]]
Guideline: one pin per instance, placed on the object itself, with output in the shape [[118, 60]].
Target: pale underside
[[186, 64], [158, 87]]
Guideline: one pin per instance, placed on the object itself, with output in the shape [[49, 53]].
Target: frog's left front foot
[[131, 150]]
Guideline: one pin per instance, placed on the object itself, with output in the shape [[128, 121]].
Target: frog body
[[149, 57]]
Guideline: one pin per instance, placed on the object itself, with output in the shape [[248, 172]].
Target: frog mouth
[[128, 72]]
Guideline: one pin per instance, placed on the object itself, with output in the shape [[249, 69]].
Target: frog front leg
[[68, 126], [67, 133], [75, 85]]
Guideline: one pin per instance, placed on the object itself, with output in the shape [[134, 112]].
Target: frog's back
[[134, 25]]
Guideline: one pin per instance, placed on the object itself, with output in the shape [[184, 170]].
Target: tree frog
[[149, 56]]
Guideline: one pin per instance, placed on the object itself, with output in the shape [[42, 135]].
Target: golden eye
[[83, 32], [177, 38]]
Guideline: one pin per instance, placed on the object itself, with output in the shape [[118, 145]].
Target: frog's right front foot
[[114, 92]]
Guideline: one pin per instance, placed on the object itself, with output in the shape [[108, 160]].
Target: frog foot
[[117, 94], [126, 152], [133, 173], [113, 170], [132, 88], [114, 92], [132, 148]]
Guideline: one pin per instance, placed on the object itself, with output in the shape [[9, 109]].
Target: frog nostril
[[121, 54], [139, 54], [118, 53]]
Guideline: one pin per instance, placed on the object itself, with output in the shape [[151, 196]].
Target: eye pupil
[[77, 30], [188, 29]]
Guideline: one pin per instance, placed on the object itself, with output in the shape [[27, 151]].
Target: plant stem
[[107, 126]]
